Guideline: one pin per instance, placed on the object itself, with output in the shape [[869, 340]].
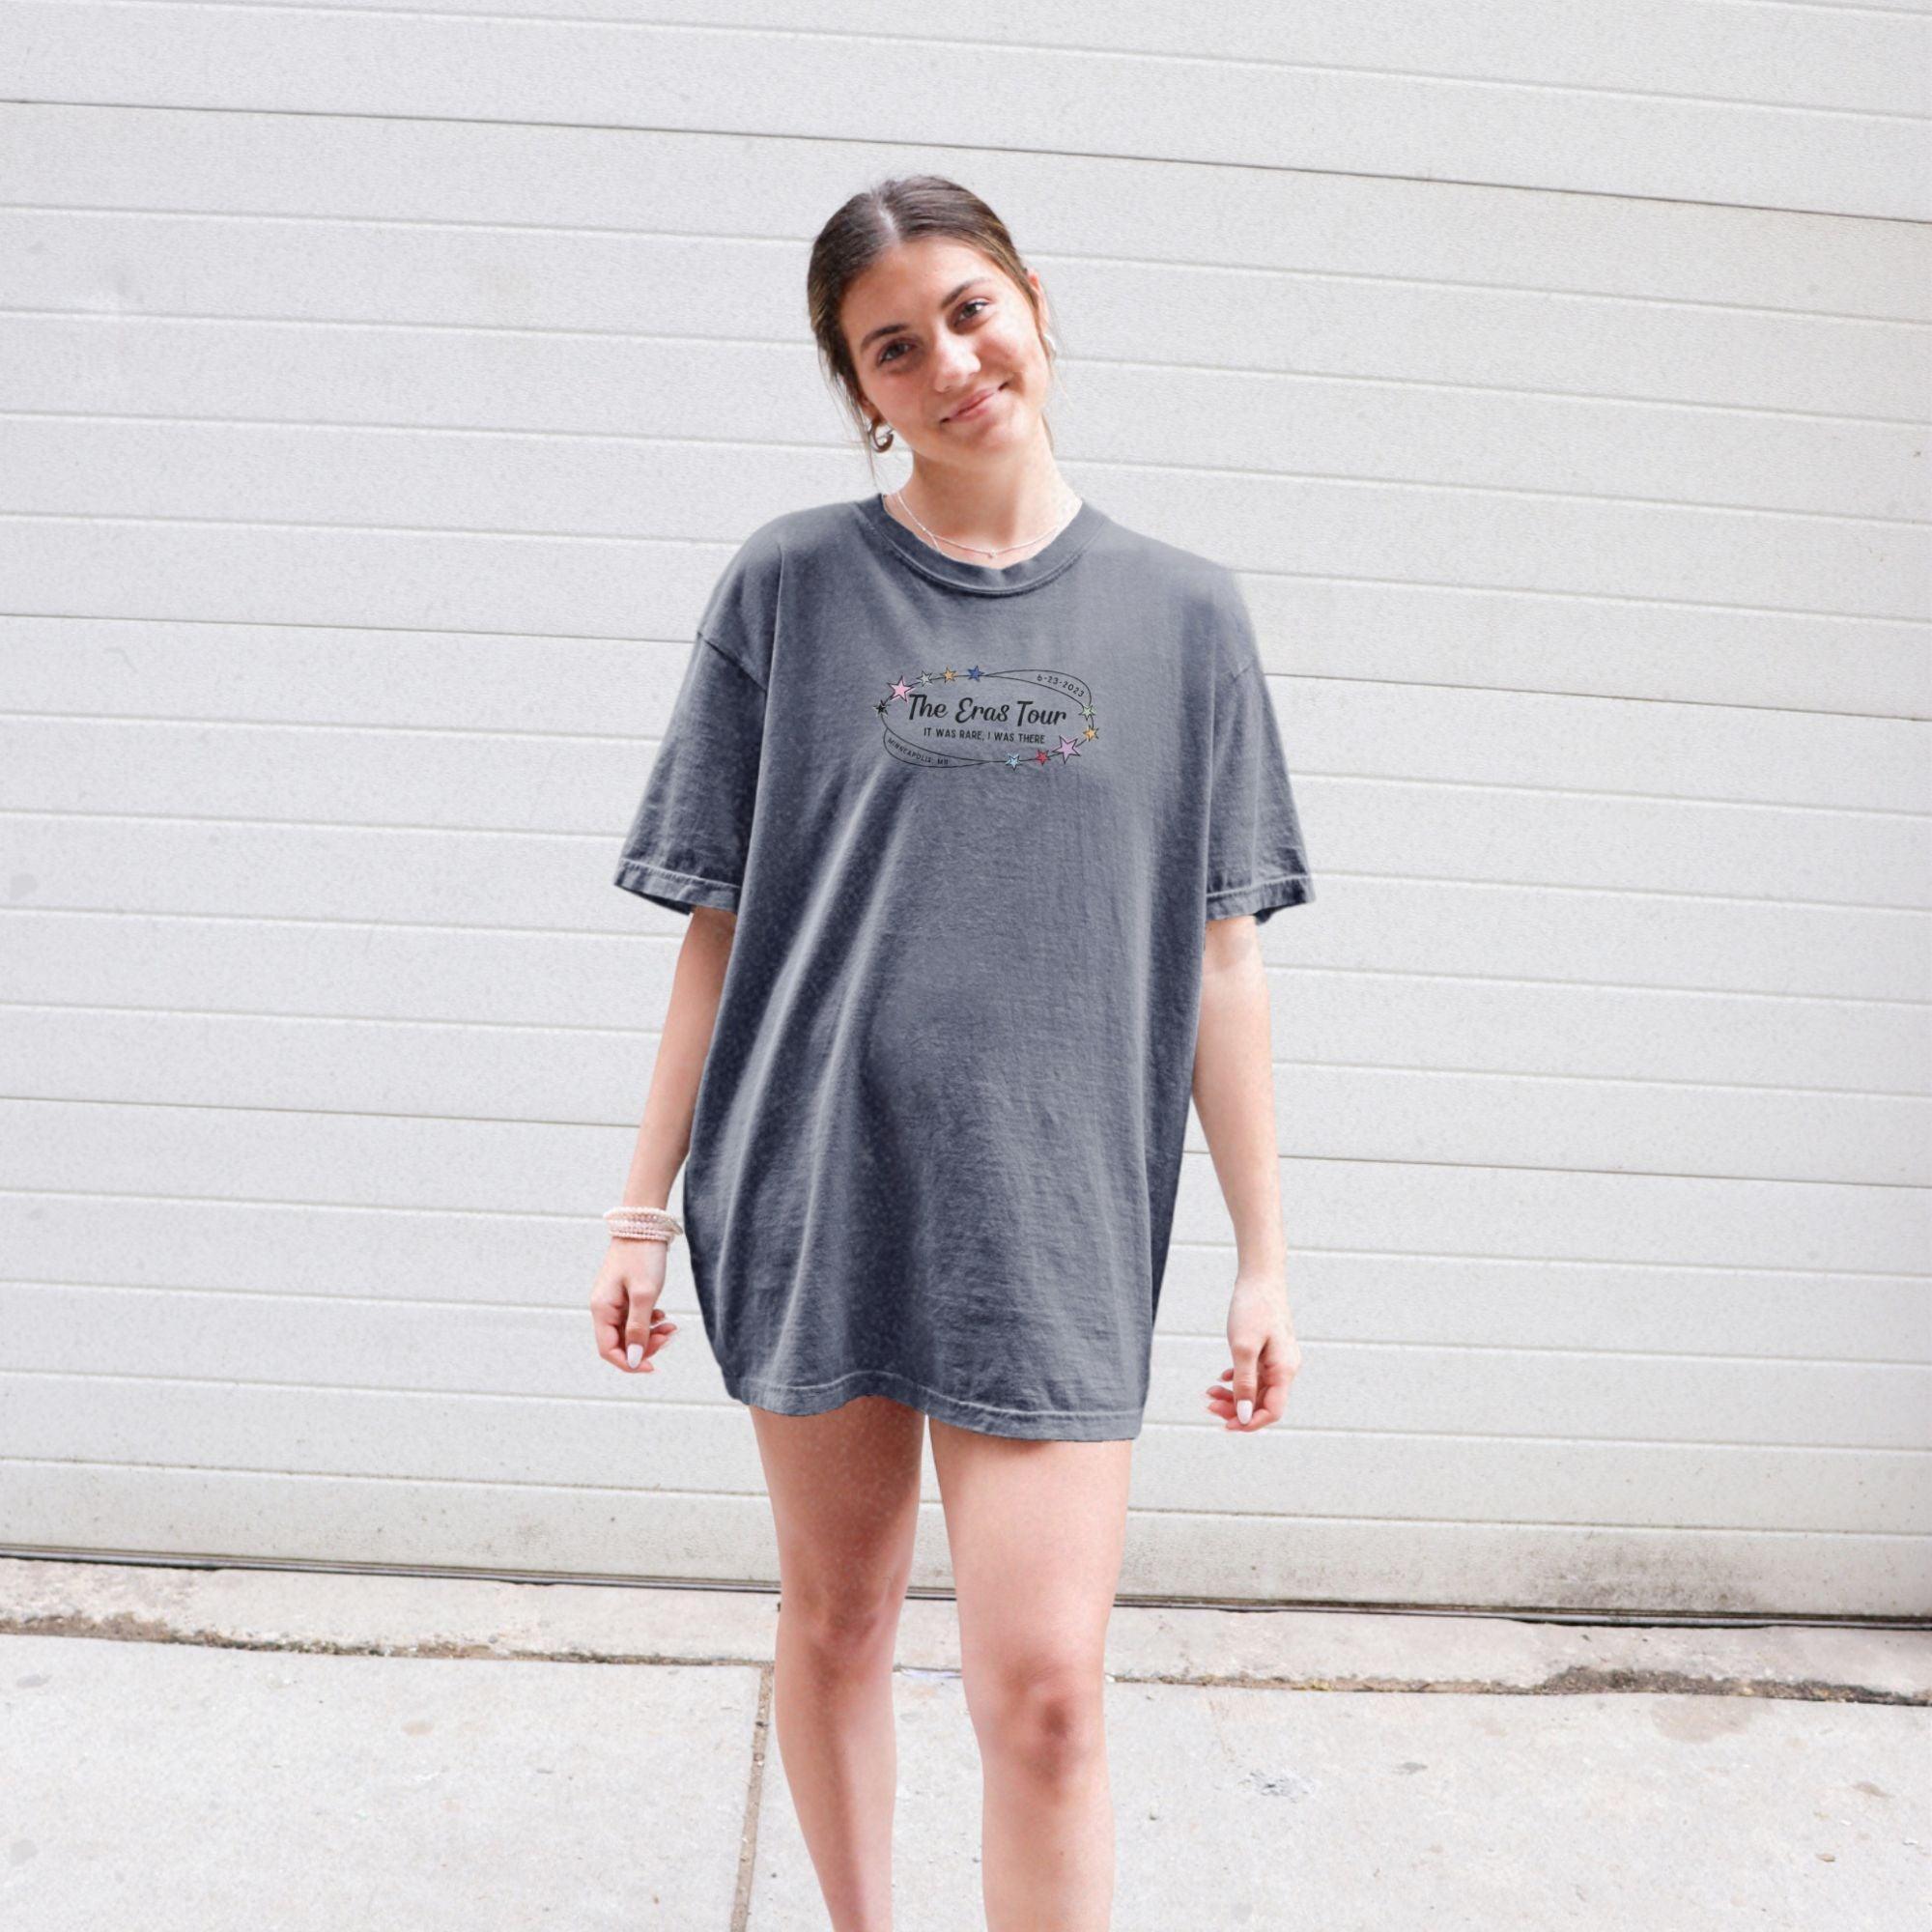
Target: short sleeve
[[1256, 860], [691, 839], [692, 834]]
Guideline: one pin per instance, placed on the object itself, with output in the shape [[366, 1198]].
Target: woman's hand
[[1267, 1355], [623, 1303]]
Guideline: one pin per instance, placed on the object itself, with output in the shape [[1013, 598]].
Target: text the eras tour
[[1019, 712]]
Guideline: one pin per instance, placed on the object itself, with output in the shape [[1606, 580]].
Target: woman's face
[[946, 350]]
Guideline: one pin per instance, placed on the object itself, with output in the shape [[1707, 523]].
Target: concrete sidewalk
[[195, 1750]]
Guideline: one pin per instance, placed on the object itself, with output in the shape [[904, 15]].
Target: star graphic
[[1015, 761], [1040, 758], [973, 672], [948, 675], [1092, 732], [881, 705], [1068, 750], [901, 689], [1085, 711]]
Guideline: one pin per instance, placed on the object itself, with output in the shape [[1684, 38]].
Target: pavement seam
[[754, 1791], [1573, 1681], [1580, 1680]]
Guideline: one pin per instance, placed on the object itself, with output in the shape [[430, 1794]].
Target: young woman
[[975, 800]]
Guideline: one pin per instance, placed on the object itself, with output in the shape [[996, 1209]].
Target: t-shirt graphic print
[[994, 710], [972, 821]]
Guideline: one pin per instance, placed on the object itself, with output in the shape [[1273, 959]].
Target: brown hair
[[880, 217]]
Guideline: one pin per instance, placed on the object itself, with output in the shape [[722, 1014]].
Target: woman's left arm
[[1234, 1095]]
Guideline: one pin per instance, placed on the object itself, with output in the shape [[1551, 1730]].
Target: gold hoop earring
[[873, 436]]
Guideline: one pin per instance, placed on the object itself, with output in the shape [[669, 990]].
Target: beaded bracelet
[[643, 1224]]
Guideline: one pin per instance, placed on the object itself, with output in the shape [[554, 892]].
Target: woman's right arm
[[631, 1280]]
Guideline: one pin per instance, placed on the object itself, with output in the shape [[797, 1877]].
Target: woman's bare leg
[[1036, 1531], [844, 1490]]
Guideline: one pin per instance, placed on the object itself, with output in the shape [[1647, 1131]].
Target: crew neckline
[[984, 579]]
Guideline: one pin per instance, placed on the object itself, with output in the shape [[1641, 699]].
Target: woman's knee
[[1042, 1714], [843, 1619]]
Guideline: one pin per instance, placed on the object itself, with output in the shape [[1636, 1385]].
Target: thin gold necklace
[[1024, 542]]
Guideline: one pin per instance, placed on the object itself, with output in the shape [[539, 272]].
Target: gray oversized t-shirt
[[973, 822]]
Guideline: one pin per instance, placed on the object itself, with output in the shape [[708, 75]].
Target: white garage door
[[382, 394]]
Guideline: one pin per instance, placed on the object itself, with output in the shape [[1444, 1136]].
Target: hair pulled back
[[880, 217]]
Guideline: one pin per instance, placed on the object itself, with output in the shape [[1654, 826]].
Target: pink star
[[1040, 758], [1068, 750], [901, 689]]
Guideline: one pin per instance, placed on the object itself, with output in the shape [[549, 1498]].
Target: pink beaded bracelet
[[643, 1224]]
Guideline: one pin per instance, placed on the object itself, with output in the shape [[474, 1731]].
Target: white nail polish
[[1243, 1409], [635, 1354]]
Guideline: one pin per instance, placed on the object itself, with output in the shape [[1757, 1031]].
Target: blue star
[[973, 672], [1015, 760]]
